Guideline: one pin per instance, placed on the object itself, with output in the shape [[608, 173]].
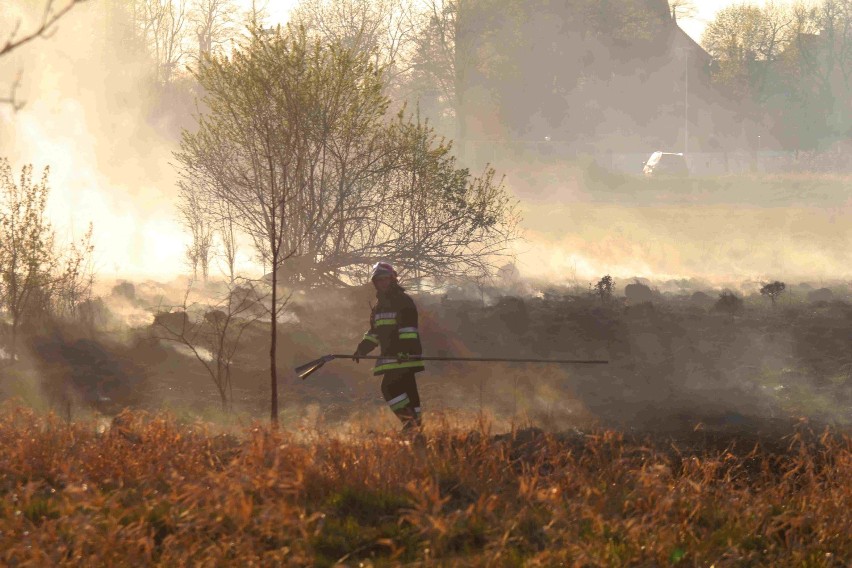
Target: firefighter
[[393, 327]]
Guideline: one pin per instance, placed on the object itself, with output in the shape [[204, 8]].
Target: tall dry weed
[[149, 490]]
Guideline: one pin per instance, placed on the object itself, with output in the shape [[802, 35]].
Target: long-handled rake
[[304, 371]]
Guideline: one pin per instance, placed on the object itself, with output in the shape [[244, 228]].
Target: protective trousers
[[400, 391]]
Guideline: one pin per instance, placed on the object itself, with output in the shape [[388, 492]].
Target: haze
[[88, 117]]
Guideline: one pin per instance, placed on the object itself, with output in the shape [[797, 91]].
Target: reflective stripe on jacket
[[393, 328]]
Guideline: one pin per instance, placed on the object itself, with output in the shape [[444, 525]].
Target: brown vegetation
[[152, 491]]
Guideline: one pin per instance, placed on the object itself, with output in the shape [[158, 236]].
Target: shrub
[[638, 293], [728, 303]]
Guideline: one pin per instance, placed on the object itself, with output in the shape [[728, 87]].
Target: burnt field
[[676, 360]]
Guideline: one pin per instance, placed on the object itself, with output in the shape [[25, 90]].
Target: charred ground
[[678, 361]]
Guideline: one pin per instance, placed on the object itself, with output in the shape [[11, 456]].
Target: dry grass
[[152, 491]]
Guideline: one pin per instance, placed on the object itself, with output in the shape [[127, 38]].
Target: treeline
[[793, 62], [411, 41]]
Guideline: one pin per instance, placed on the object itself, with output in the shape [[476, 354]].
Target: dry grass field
[[150, 490]]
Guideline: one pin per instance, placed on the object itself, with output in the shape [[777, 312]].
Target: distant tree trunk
[[229, 244], [13, 347], [459, 79]]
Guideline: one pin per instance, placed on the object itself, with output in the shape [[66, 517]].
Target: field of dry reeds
[[150, 490]]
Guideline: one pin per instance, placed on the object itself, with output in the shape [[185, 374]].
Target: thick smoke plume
[[92, 114]]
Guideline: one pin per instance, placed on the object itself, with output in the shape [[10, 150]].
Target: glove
[[403, 356], [356, 356]]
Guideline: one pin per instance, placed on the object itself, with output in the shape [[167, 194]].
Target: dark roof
[[679, 34]]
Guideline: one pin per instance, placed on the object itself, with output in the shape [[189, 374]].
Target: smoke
[[672, 365], [714, 243], [90, 115]]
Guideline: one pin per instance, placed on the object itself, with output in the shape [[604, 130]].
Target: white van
[[666, 163]]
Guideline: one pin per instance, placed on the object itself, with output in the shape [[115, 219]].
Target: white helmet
[[382, 269]]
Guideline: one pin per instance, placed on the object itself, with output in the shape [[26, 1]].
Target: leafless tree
[[385, 29], [213, 23], [50, 15], [421, 212], [256, 16], [164, 27], [196, 215], [73, 285], [211, 332], [228, 238]]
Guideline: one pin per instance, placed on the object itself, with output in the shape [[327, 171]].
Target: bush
[[125, 290], [638, 293], [728, 303], [820, 295]]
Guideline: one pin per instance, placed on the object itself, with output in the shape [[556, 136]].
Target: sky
[[278, 9], [705, 12]]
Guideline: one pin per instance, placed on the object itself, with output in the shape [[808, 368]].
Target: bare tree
[[228, 238], [164, 27], [75, 280], [384, 29], [50, 15], [211, 332], [438, 222], [256, 15], [213, 23], [196, 215]]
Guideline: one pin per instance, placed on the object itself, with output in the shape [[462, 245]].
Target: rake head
[[306, 370]]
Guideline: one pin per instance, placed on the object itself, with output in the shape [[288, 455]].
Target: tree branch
[[47, 21]]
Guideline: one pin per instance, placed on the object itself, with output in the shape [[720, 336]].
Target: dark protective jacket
[[393, 327]]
